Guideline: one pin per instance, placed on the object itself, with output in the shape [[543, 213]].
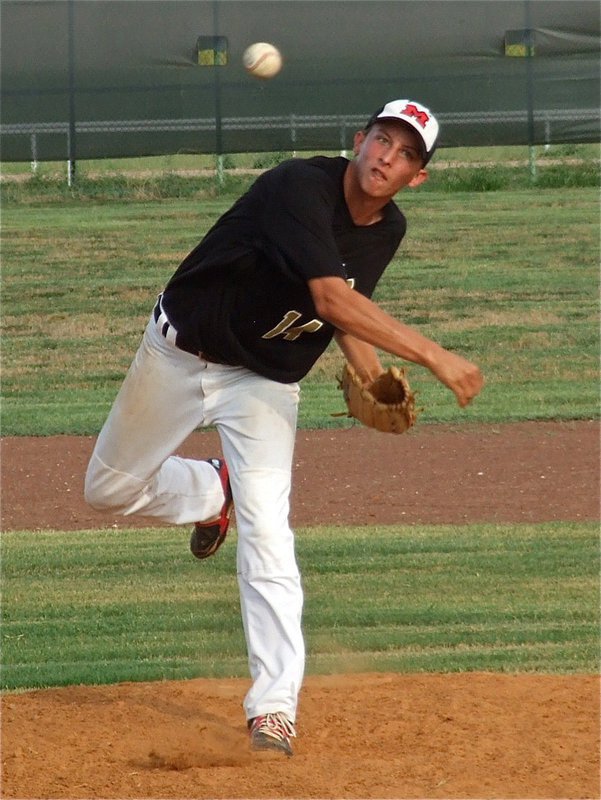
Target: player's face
[[387, 158]]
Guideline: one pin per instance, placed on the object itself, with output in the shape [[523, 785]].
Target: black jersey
[[242, 293]]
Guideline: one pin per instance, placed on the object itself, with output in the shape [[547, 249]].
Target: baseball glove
[[387, 404]]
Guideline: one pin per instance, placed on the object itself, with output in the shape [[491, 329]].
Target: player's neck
[[363, 208]]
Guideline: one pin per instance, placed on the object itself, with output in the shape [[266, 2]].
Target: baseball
[[262, 60]]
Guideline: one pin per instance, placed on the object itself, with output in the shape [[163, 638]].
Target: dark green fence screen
[[97, 78]]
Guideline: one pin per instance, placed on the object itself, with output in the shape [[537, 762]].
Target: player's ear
[[358, 141], [418, 179]]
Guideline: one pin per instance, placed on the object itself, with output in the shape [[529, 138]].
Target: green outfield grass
[[509, 279], [103, 607]]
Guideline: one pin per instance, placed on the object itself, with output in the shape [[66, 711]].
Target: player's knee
[[266, 547], [96, 492], [105, 489]]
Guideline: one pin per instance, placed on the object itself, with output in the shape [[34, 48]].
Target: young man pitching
[[249, 311]]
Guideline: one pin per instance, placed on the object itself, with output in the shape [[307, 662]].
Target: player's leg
[[132, 470], [256, 419]]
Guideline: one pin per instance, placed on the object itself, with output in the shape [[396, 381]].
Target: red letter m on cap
[[413, 111]]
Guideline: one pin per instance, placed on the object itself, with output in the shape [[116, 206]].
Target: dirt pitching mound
[[363, 736]]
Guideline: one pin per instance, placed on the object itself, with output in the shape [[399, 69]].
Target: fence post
[[34, 153], [530, 90], [71, 144], [217, 87], [220, 170]]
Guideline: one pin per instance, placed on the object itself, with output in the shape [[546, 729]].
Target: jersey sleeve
[[297, 216]]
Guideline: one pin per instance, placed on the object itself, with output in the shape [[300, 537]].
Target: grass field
[[501, 270], [508, 278], [101, 607]]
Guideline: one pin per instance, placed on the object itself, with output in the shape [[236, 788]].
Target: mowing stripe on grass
[[106, 606]]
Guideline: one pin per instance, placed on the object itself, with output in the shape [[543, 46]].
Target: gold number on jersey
[[289, 331]]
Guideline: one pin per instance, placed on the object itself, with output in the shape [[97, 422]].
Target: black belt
[[180, 341]]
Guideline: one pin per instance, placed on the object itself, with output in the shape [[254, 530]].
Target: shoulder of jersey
[[318, 167]]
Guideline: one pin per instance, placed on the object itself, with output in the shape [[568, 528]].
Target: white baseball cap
[[417, 116]]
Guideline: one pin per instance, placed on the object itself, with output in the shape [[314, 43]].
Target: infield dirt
[[470, 735]]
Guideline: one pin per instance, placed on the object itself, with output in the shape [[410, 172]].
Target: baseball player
[[248, 312]]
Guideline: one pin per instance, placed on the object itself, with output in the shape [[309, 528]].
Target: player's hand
[[462, 377]]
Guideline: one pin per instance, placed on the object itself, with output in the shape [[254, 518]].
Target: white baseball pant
[[165, 396]]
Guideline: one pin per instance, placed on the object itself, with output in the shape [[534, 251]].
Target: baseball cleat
[[207, 537], [271, 732]]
